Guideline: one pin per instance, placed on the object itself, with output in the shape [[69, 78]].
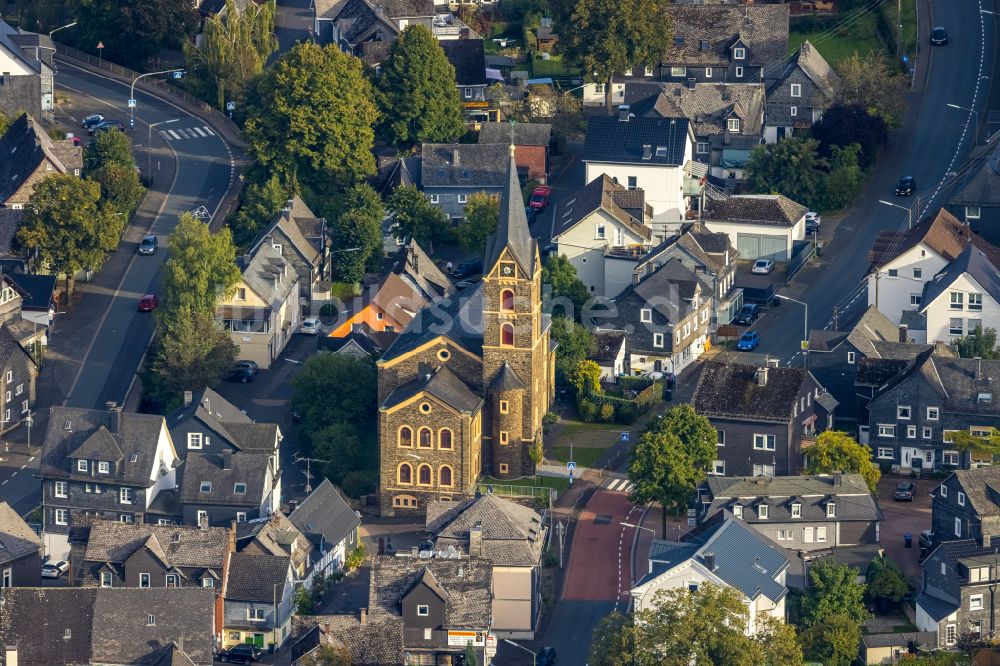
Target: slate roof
[[770, 209], [16, 538], [10, 222], [603, 193], [299, 224], [731, 391], [851, 496], [226, 421], [667, 291], [173, 655], [253, 577], [942, 233], [512, 534], [268, 274], [458, 318], [512, 231], [873, 327], [811, 62], [442, 384], [114, 542], [525, 134], [137, 434], [477, 164], [609, 139], [9, 38], [274, 535], [106, 625], [248, 468], [913, 320], [10, 344], [926, 639], [324, 513], [973, 262], [763, 28], [958, 382], [938, 609], [607, 345], [374, 643], [469, 60], [965, 550], [707, 106], [981, 188], [24, 148], [36, 290], [981, 487]]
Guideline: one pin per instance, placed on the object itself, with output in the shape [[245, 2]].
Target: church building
[[462, 391]]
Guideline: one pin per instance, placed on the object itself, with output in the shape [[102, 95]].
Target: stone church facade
[[462, 392]]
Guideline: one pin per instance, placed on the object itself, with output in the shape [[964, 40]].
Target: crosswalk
[[618, 485], [179, 134]]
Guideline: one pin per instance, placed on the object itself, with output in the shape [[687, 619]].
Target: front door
[[258, 640]]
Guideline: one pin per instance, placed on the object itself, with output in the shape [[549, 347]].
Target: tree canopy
[[482, 211], [575, 344], [356, 235], [833, 590], [108, 148], [134, 32], [415, 217], [981, 343], [263, 198], [874, 84], [567, 293], [885, 581], [836, 451], [834, 641], [417, 94], [201, 268], [844, 124], [790, 167]]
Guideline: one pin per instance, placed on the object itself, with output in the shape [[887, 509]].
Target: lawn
[[576, 427], [554, 67], [838, 46], [584, 456]]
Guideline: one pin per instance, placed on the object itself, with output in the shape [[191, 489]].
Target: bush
[[328, 310], [606, 413], [355, 559], [587, 410], [550, 419]]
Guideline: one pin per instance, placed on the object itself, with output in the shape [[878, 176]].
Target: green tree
[[263, 198], [327, 655], [470, 656], [108, 148], [790, 167], [482, 211], [201, 268], [120, 187], [606, 37], [356, 235], [836, 451], [5, 123], [886, 583], [873, 83], [415, 217], [236, 43], [335, 388], [834, 641], [417, 94], [575, 344], [353, 460], [833, 590], [134, 32], [311, 116], [844, 124], [68, 228], [566, 290], [585, 378], [981, 343], [845, 177]]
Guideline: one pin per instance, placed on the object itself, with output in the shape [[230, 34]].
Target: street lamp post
[[149, 146], [805, 325], [534, 656], [909, 212], [975, 137], [131, 94], [62, 27]]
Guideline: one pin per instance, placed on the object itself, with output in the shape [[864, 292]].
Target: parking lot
[[905, 517]]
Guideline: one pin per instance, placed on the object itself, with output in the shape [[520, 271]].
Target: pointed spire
[[512, 226]]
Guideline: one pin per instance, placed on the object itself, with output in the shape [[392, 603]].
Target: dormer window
[[733, 124], [984, 398], [103, 467], [739, 53], [831, 510], [195, 440], [81, 465], [738, 510], [796, 510], [762, 512]]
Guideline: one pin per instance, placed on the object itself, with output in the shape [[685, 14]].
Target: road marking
[[209, 130], [4, 482], [23, 466], [31, 459], [614, 484], [198, 131], [173, 134]]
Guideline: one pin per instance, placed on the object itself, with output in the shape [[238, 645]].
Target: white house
[[609, 353], [729, 554], [760, 226], [599, 226], [645, 153], [962, 297], [903, 262], [330, 524]]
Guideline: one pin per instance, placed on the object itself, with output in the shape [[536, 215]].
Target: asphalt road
[[932, 144], [204, 172]]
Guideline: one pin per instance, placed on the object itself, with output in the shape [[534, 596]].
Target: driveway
[[905, 517]]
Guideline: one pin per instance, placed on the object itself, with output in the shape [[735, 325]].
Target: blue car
[[748, 341]]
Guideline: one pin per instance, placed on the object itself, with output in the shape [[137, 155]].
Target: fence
[[800, 260], [512, 490]]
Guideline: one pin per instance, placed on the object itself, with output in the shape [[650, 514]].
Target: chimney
[[379, 11], [456, 157], [288, 206], [903, 330], [11, 655], [691, 82], [623, 113], [762, 376], [188, 398], [986, 544], [203, 522], [476, 540], [232, 536], [363, 616], [116, 416], [227, 460], [838, 479], [709, 561]]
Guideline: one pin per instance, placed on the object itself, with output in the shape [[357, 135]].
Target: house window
[[739, 72], [678, 71], [721, 437], [106, 579], [886, 430], [205, 487], [62, 516], [903, 412], [739, 53], [648, 71], [918, 273], [435, 199], [796, 510], [445, 439], [796, 90], [703, 148], [911, 432], [719, 468], [202, 517], [81, 465], [507, 300], [463, 198], [885, 453], [708, 72], [733, 124], [763, 442], [850, 358], [507, 335], [208, 582], [948, 458], [628, 72], [8, 577], [144, 580], [256, 614], [19, 390], [738, 511], [658, 339], [423, 610], [831, 510], [504, 437], [893, 272], [424, 475], [404, 474], [943, 491], [239, 489], [926, 432], [957, 300], [503, 468], [125, 495], [194, 440], [976, 602], [241, 293], [173, 580], [127, 518], [955, 326], [103, 467], [961, 498], [467, 93], [932, 413], [975, 302], [950, 634], [762, 512], [821, 534], [793, 111], [808, 535], [241, 516], [424, 439], [598, 88], [915, 299], [958, 527], [633, 182], [784, 535], [972, 212], [406, 437], [445, 476], [504, 407], [645, 315], [62, 489], [763, 470]]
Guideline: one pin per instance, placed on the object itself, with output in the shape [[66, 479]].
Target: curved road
[[205, 170], [933, 143]]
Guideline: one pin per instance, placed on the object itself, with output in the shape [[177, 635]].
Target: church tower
[[517, 360]]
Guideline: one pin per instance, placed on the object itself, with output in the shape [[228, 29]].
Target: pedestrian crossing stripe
[[620, 485], [614, 484], [186, 133]]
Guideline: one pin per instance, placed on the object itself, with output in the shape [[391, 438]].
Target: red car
[[148, 302], [540, 197]]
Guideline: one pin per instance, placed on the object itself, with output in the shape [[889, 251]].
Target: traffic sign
[[230, 106], [571, 465], [131, 104], [625, 436], [804, 345], [100, 45]]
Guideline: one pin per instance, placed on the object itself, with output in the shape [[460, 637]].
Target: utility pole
[[309, 462], [836, 318], [899, 27]]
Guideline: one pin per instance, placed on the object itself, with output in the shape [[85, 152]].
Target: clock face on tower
[[506, 269]]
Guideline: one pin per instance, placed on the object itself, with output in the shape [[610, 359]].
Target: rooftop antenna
[[309, 462]]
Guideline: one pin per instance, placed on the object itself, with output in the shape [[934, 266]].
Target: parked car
[[540, 197], [906, 186], [939, 36], [467, 269], [241, 654], [762, 266], [148, 245], [748, 341], [106, 126], [747, 314], [244, 363], [148, 303], [546, 656], [241, 374], [812, 223], [310, 326], [905, 490], [54, 569], [92, 120]]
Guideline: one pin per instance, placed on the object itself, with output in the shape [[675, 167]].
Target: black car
[[546, 657], [107, 126], [241, 374], [467, 269], [906, 186], [241, 654], [939, 36], [747, 314], [905, 491], [243, 363]]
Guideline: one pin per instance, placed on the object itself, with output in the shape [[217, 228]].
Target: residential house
[[966, 505], [20, 551], [28, 72], [443, 603], [276, 536], [890, 648], [362, 342], [799, 90], [262, 314], [451, 172], [219, 488], [259, 600], [731, 554], [301, 239], [408, 282], [29, 157], [760, 226], [646, 153], [800, 513], [727, 120], [509, 535], [609, 353], [666, 316], [20, 345], [121, 625], [331, 526], [903, 262], [469, 60], [962, 297], [602, 230], [975, 198], [367, 29], [38, 297], [912, 415], [101, 462], [531, 145], [765, 417], [369, 643]]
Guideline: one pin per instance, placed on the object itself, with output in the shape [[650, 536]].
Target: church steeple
[[512, 226]]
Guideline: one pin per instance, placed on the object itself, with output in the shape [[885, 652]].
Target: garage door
[[762, 246]]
